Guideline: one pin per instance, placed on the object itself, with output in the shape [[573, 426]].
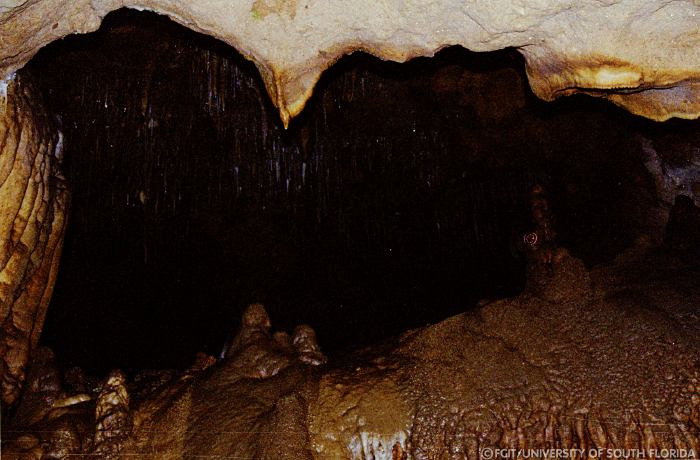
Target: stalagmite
[[112, 416], [493, 377]]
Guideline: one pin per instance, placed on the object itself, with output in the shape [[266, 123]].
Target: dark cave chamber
[[396, 199]]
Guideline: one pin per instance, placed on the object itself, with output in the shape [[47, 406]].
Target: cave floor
[[614, 348]]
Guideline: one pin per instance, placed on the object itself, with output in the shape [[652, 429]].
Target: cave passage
[[396, 199]]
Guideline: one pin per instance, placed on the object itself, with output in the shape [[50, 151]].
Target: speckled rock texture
[[588, 365], [33, 203], [601, 359], [644, 56], [608, 358]]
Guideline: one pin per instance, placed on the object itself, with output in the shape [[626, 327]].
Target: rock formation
[[493, 378], [33, 203], [643, 56], [521, 373]]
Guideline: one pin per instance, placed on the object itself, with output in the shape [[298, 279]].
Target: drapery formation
[[644, 56]]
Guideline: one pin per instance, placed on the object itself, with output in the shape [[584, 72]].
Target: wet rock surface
[[255, 352], [605, 365], [565, 51], [33, 205], [113, 417], [54, 418], [583, 358], [609, 360]]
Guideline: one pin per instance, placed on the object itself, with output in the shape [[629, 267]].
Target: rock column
[[33, 204]]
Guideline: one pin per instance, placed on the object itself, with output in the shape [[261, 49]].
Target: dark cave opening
[[396, 199]]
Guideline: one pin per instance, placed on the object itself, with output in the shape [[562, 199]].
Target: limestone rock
[[307, 348], [33, 204], [643, 56]]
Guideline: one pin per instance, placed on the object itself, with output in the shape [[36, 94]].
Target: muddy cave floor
[[654, 290]]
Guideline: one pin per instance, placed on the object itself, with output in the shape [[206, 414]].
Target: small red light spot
[[530, 238]]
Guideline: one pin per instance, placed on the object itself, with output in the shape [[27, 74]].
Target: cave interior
[[399, 197]]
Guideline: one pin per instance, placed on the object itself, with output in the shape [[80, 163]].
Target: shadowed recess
[[397, 198]]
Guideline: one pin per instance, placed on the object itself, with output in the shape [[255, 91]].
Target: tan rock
[[643, 56], [33, 203]]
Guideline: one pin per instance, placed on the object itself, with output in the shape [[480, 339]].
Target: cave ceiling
[[643, 56]]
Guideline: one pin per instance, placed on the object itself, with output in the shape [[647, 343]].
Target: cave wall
[[33, 204]]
